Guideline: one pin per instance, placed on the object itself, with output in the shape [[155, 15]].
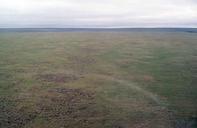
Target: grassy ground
[[98, 80]]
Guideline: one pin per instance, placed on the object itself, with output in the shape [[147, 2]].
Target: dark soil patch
[[66, 99], [59, 78], [70, 108], [12, 117], [186, 123], [82, 60], [81, 63], [76, 92]]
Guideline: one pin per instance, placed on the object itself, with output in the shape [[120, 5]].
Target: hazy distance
[[97, 13]]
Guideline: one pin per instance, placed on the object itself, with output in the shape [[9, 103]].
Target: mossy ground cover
[[98, 80]]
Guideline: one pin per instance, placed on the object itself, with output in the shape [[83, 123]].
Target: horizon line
[[97, 27]]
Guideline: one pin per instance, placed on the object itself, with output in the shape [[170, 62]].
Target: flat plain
[[98, 79]]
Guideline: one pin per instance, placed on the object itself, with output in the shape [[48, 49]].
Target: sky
[[97, 13]]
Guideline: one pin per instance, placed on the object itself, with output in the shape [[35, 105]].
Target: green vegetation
[[98, 80]]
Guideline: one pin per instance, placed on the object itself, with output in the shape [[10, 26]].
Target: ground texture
[[98, 80]]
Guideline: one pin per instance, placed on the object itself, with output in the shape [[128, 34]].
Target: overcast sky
[[98, 13]]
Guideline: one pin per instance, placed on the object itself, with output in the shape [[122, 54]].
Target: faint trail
[[146, 93]]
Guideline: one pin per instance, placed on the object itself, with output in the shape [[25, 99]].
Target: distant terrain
[[189, 30], [98, 78]]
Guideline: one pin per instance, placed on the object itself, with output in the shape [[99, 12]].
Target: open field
[[98, 80]]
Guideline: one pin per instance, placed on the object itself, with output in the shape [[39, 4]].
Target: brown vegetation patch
[[148, 78], [90, 49], [71, 107], [73, 92], [67, 96], [59, 78], [145, 78], [83, 60], [81, 63], [13, 117]]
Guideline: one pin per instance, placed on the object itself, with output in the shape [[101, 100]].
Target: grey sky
[[98, 13]]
